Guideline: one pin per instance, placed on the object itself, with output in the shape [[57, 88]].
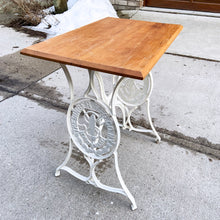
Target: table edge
[[84, 64]]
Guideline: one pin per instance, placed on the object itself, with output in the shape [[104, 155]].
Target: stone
[[60, 6]]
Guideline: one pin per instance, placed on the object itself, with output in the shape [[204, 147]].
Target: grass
[[29, 12]]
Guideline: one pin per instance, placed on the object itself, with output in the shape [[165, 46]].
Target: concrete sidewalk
[[199, 37], [170, 180]]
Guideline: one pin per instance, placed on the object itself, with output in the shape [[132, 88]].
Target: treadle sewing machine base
[[94, 128], [126, 48]]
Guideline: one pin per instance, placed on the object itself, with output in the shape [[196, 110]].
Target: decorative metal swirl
[[134, 92], [94, 130]]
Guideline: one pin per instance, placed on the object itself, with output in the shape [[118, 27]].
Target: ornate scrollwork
[[134, 92], [94, 130]]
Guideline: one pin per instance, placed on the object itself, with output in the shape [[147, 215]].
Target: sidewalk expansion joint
[[192, 57], [45, 102], [191, 145], [14, 92], [5, 89], [199, 144]]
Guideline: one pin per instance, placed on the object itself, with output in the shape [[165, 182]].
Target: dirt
[[18, 24], [44, 91], [101, 167], [199, 144], [199, 140], [18, 71], [6, 18], [15, 22]]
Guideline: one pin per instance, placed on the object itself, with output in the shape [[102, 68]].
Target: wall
[[127, 4]]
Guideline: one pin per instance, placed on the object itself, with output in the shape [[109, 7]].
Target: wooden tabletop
[[118, 46]]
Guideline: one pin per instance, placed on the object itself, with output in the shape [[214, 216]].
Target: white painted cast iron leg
[[91, 86], [124, 187], [106, 99], [124, 113], [88, 90], [70, 83], [57, 173], [129, 98], [92, 178], [113, 107], [69, 80], [158, 139]]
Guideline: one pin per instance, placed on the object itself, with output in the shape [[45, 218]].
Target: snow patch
[[70, 3], [80, 13]]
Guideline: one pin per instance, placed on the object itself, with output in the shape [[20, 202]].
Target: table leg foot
[[57, 173], [124, 187], [93, 180], [130, 95], [158, 138], [94, 129], [133, 207]]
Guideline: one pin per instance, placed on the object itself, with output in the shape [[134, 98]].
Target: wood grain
[[118, 46]]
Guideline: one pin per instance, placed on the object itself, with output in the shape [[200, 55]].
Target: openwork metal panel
[[94, 131], [93, 126]]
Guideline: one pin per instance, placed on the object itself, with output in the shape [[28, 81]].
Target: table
[[128, 49]]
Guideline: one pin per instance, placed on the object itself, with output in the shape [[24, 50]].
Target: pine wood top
[[119, 46]]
